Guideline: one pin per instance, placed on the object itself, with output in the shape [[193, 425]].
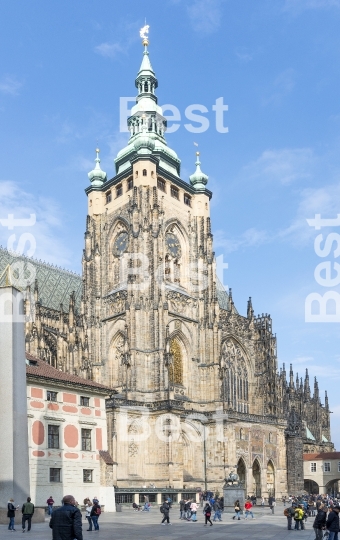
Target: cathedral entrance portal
[[242, 474], [270, 479], [256, 478]]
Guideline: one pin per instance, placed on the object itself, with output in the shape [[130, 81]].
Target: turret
[[291, 377], [306, 386], [250, 311]]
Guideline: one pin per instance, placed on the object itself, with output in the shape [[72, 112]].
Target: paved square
[[146, 526]]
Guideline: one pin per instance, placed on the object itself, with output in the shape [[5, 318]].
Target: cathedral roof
[[55, 285], [222, 295]]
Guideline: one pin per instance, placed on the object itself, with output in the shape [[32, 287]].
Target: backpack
[[286, 512], [98, 511], [161, 509], [297, 515]]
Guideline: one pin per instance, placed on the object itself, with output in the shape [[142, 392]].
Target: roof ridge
[[40, 262]]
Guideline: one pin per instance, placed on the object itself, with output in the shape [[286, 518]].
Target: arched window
[[234, 375], [145, 172], [176, 369], [242, 436]]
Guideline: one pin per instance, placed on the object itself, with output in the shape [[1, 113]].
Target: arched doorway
[[270, 479], [256, 478], [311, 487], [332, 487], [242, 473]]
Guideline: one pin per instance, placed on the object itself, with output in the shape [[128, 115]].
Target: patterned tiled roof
[[321, 456], [55, 285], [40, 368]]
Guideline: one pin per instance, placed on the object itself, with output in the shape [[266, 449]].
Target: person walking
[[248, 509], [27, 514], [88, 508], [289, 513], [50, 503], [65, 521], [11, 509], [165, 509], [272, 503], [217, 510], [95, 513], [319, 524], [298, 518], [207, 513], [262, 502], [193, 508], [181, 508], [332, 523], [237, 509]]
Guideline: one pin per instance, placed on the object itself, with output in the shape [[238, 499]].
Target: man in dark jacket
[[320, 522], [332, 523], [166, 510], [289, 513], [27, 514], [66, 521]]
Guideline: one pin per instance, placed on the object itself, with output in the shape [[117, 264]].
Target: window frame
[[119, 190], [50, 394], [174, 192], [87, 403], [161, 184], [85, 440], [144, 172], [328, 464], [108, 196], [50, 475], [53, 439], [313, 466], [91, 476], [129, 184], [187, 199]]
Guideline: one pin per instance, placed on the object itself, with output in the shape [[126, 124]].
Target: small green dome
[[97, 176], [198, 180]]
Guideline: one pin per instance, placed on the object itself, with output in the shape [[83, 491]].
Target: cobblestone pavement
[[146, 526]]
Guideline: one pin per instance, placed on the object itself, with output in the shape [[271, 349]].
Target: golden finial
[[143, 34], [97, 150]]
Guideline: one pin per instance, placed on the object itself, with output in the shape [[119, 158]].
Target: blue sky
[[64, 67]]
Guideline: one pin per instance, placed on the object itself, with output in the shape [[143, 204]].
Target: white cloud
[[48, 229], [281, 166], [109, 50], [250, 237], [297, 6], [10, 85], [282, 85], [205, 15]]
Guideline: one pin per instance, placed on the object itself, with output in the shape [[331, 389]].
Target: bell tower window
[[129, 184], [187, 199], [174, 192], [161, 184], [108, 197], [119, 191], [145, 173]]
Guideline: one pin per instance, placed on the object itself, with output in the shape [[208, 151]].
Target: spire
[[306, 386], [97, 176], [199, 180], [250, 310], [291, 377], [316, 389], [146, 81], [326, 401]]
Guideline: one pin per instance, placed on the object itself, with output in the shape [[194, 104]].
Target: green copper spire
[[199, 180], [97, 176]]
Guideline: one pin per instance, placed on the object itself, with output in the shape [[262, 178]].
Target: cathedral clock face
[[121, 243], [173, 245]]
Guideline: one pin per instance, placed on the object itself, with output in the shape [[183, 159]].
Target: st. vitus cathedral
[[195, 386]]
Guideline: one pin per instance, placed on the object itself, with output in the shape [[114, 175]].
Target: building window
[[119, 190], [53, 436], [122, 498], [187, 199], [327, 467], [87, 475], [151, 497], [85, 401], [129, 184], [174, 192], [55, 475], [313, 467], [339, 466], [51, 396], [86, 440], [145, 173], [161, 184], [108, 197]]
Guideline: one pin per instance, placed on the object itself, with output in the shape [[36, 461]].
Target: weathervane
[[144, 34]]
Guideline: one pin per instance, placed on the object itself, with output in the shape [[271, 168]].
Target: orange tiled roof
[[321, 455], [40, 368]]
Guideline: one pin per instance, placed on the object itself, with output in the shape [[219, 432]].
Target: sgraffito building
[[196, 388]]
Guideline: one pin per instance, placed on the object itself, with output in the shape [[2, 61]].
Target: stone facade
[[195, 385]]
